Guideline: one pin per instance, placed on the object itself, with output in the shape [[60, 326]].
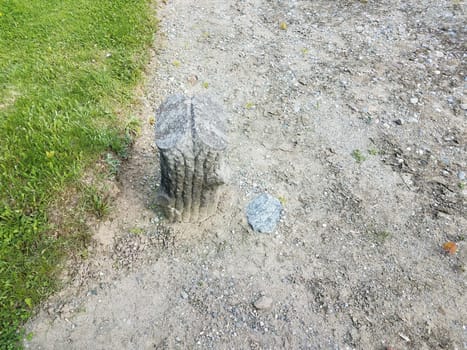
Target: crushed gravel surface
[[353, 114]]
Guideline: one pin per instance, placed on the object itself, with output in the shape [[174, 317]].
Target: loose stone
[[263, 213], [263, 303]]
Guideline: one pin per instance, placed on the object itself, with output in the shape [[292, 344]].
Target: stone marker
[[263, 213], [190, 135]]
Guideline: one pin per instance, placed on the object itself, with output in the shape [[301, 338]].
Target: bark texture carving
[[190, 135]]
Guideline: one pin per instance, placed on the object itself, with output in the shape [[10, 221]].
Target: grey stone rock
[[190, 135], [263, 213], [263, 303], [445, 160], [461, 175]]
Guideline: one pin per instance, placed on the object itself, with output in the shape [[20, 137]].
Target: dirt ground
[[352, 113]]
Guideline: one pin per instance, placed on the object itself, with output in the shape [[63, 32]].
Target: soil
[[353, 114]]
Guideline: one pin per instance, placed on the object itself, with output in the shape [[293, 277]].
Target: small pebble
[[461, 175], [263, 303], [413, 100]]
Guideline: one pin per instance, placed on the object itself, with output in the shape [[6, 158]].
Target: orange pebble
[[450, 247]]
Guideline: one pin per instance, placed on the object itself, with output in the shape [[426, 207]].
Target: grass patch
[[96, 202], [67, 75], [379, 236], [358, 156]]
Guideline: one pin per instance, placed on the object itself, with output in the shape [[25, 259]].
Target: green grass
[[358, 156], [68, 69]]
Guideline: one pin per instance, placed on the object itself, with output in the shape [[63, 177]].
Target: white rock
[[263, 303]]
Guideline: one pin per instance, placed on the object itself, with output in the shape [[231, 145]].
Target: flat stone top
[[173, 120], [209, 122], [179, 115]]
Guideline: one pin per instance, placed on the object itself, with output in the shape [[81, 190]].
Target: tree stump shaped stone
[[191, 138]]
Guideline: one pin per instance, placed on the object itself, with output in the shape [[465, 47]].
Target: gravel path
[[353, 114]]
